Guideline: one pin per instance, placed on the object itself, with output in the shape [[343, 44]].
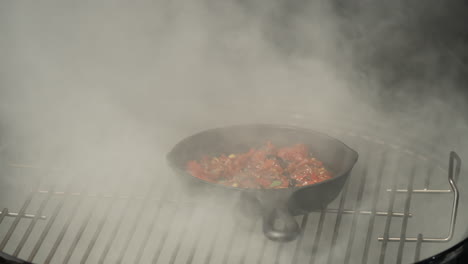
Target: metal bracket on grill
[[452, 179]]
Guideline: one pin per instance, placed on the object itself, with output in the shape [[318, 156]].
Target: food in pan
[[266, 167]]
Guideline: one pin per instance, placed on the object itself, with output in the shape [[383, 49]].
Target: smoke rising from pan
[[166, 60]]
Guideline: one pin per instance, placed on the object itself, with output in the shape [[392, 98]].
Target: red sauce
[[267, 167]]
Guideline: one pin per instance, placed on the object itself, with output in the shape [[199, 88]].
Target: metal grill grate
[[385, 200]]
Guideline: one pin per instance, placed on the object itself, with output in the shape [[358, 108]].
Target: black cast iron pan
[[274, 204]]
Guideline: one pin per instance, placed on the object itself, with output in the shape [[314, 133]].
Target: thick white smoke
[[110, 86]]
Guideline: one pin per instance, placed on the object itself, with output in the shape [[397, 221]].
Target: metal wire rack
[[164, 226]]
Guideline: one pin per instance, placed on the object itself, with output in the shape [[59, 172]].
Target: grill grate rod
[[197, 236], [355, 219], [370, 228], [80, 232], [181, 236], [251, 232], [132, 230], [46, 230], [337, 222], [16, 221], [116, 228], [113, 234], [278, 253], [262, 250], [404, 225], [300, 238], [213, 242], [417, 252], [96, 234], [318, 234], [383, 248], [163, 239], [98, 230], [63, 231], [234, 230], [152, 224], [427, 182], [32, 224]]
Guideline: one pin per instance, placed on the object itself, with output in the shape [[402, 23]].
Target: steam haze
[[110, 86]]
